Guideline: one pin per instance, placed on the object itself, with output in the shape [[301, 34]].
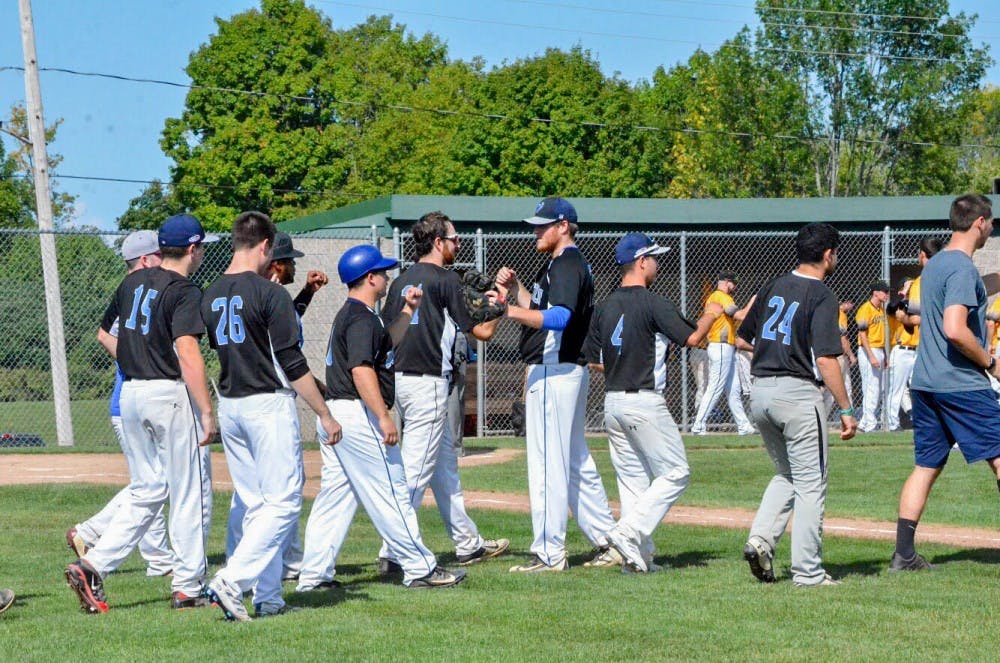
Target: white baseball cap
[[140, 243]]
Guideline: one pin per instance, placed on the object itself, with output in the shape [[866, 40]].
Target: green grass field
[[704, 607]]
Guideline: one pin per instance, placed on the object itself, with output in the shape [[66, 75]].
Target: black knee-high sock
[[905, 531]]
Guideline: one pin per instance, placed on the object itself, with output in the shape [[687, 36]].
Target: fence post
[[480, 348], [397, 248], [684, 350], [886, 371]]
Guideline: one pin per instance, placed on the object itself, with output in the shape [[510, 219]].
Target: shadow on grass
[[327, 597], [863, 567], [688, 559], [981, 555], [478, 451]]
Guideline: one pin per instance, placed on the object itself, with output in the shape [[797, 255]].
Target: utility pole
[[47, 241]]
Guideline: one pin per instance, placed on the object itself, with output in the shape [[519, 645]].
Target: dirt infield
[[20, 469]]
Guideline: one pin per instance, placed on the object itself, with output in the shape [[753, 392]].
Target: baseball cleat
[[6, 599], [289, 575], [490, 548], [326, 584], [89, 587], [604, 558], [916, 563], [76, 543], [388, 568], [758, 554], [261, 610], [627, 548], [536, 565], [827, 581], [229, 599], [181, 601], [439, 578]]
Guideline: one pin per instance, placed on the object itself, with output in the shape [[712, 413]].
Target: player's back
[[358, 337], [155, 306], [250, 320]]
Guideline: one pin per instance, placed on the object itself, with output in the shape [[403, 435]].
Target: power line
[[548, 28], [500, 116], [805, 10]]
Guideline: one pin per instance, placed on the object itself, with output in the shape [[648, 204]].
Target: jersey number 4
[[785, 314], [230, 327], [616, 335], [143, 305]]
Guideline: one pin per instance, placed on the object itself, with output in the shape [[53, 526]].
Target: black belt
[[911, 348], [414, 374]]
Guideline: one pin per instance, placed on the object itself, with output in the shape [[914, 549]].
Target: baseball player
[[423, 376], [461, 355], [140, 250], [253, 328], [792, 327], [366, 466], [992, 336], [722, 377], [158, 352], [555, 316], [628, 340], [282, 271], [872, 337]]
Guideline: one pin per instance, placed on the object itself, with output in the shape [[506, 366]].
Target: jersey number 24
[[230, 325], [780, 321]]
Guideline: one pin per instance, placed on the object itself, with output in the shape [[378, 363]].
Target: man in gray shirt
[[952, 399]]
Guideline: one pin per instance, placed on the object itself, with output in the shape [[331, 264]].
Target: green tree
[[17, 189], [148, 210], [880, 82], [980, 165]]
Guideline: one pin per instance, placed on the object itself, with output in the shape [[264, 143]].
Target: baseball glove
[[474, 288]]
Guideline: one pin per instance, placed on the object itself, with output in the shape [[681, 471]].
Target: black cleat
[[758, 554]]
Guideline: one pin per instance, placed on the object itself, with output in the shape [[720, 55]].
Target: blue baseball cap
[[551, 210], [183, 230], [633, 246], [360, 260]]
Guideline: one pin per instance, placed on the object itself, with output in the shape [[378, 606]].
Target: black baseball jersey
[[793, 321], [562, 281], [253, 327], [629, 335], [156, 306], [359, 338], [428, 344]]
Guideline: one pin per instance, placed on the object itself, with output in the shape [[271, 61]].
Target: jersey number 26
[[230, 325]]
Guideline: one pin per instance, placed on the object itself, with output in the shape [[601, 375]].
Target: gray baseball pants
[[791, 416]]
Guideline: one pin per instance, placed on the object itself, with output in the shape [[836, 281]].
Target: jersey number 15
[[230, 325], [141, 304]]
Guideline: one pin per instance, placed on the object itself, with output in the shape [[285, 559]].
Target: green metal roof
[[607, 213]]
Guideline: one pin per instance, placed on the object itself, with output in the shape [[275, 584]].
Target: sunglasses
[[453, 238]]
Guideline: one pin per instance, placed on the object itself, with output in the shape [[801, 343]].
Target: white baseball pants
[[871, 389], [430, 458], [360, 469], [164, 462], [722, 380], [291, 554], [901, 362], [649, 459], [153, 545], [260, 434], [561, 471]]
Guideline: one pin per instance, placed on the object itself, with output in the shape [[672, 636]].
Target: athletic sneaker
[[181, 601], [627, 548], [76, 543], [289, 575], [229, 599], [759, 555], [827, 581], [388, 568], [6, 599], [605, 557], [87, 584], [916, 563], [439, 578], [490, 548], [326, 584], [260, 610], [536, 565]]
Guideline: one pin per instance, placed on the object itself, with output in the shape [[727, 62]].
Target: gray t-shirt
[[949, 278]]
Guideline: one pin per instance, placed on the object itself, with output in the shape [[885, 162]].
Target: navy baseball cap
[[880, 286], [727, 276], [283, 249], [183, 230], [551, 210], [633, 246]]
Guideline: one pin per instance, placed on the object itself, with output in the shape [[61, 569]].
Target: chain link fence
[[90, 269]]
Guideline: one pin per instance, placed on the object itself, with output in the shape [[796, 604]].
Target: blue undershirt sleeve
[[555, 318]]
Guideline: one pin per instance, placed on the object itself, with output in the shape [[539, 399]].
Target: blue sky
[[112, 129]]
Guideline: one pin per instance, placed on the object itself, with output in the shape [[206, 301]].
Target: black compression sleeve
[[292, 362]]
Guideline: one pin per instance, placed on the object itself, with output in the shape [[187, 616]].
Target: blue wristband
[[849, 412]]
